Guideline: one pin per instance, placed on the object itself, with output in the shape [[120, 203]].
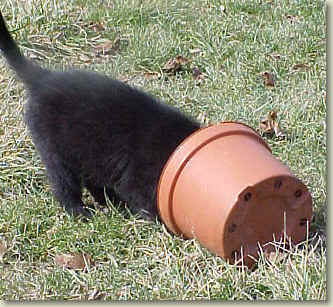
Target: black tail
[[23, 67]]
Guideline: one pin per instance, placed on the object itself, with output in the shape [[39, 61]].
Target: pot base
[[276, 209]]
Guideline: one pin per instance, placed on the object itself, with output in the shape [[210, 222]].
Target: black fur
[[97, 132]]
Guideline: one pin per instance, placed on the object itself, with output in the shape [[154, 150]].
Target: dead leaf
[[182, 60], [197, 75], [151, 75], [269, 79], [269, 126], [175, 64], [3, 249], [74, 261], [171, 64], [301, 67]]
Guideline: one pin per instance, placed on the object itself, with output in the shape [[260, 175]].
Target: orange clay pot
[[223, 186]]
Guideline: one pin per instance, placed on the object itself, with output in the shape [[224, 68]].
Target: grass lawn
[[231, 43]]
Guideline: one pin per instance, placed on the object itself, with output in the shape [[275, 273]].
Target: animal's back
[[97, 132]]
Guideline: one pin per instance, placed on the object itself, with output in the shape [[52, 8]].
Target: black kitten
[[97, 132]]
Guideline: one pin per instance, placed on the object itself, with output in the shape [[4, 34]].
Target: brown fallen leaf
[[74, 261], [197, 75], [269, 79], [269, 126], [175, 64], [182, 60], [151, 75], [3, 249], [300, 66], [171, 65]]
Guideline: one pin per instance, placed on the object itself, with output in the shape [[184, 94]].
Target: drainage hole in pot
[[303, 221], [278, 184], [232, 227], [298, 193], [247, 196]]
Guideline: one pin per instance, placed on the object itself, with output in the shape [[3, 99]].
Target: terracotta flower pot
[[223, 186]]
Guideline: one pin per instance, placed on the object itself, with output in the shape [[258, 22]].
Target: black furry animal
[[93, 131]]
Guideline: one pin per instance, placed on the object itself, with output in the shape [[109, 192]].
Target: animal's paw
[[79, 213], [144, 214]]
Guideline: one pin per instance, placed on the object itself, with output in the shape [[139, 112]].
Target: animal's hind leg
[[98, 193], [66, 186], [140, 197]]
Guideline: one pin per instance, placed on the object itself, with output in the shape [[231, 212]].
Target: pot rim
[[186, 154]]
